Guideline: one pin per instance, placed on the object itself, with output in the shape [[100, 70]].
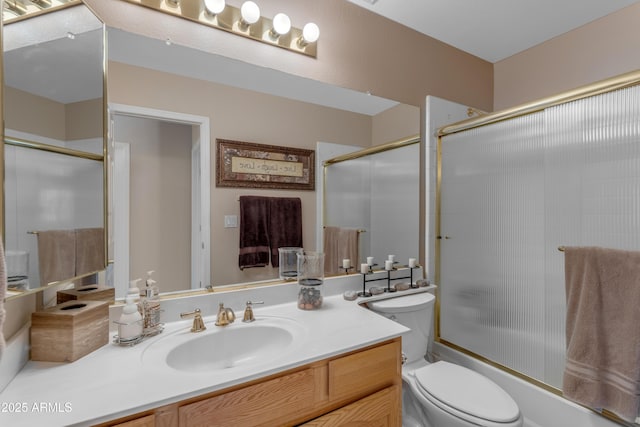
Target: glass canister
[[288, 262], [310, 280]]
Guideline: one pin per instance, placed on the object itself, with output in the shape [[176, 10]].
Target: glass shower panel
[[347, 198], [592, 194], [512, 193], [492, 273]]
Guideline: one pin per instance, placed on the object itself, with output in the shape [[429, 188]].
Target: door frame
[[201, 200]]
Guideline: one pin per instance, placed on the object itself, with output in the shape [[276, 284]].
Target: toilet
[[441, 394]]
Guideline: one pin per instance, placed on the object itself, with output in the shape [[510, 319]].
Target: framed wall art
[[251, 165]]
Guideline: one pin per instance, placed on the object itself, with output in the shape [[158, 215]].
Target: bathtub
[[540, 407]]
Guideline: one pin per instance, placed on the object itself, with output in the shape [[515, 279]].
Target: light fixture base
[[230, 20]]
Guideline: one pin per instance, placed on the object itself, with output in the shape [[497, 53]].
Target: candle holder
[[364, 292], [411, 284], [346, 269], [388, 278], [389, 288]]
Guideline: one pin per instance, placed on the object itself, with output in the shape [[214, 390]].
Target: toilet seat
[[466, 394]]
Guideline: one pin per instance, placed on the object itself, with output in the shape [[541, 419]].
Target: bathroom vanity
[[339, 364], [361, 387]]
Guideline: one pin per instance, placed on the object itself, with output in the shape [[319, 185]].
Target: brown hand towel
[[602, 369], [89, 250], [254, 237], [285, 225], [340, 243], [56, 255]]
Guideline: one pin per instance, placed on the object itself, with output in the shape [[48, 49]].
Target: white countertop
[[113, 381]]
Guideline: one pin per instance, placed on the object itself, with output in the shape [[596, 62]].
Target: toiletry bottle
[[130, 322], [151, 305], [134, 293]]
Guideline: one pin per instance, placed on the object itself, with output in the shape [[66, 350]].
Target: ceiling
[[493, 29]]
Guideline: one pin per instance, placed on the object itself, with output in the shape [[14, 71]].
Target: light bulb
[[214, 7], [250, 12], [281, 24], [310, 33]]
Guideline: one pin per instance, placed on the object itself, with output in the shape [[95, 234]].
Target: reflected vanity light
[[15, 10], [245, 21]]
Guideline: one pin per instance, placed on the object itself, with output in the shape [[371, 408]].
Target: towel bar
[[360, 230]]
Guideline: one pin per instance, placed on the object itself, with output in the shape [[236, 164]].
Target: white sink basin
[[238, 345]]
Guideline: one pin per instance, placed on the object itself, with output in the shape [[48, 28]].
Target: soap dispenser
[[151, 306], [130, 322]]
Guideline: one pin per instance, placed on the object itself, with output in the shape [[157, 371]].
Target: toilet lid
[[467, 391]]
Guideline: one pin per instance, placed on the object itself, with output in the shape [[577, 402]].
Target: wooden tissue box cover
[[68, 331], [87, 292]]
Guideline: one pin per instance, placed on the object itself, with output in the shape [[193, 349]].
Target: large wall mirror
[[158, 89], [240, 102], [54, 116]]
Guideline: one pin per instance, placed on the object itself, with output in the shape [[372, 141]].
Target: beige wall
[[41, 116], [603, 48], [34, 114], [396, 123], [84, 119], [242, 115], [357, 49]]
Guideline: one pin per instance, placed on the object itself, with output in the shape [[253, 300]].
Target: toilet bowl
[[441, 394]]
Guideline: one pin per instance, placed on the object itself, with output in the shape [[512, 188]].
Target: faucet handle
[[198, 323], [248, 311]]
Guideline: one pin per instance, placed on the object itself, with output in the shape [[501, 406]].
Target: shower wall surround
[[512, 193]]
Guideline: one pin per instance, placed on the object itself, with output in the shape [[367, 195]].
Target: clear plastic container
[[288, 262], [310, 280]]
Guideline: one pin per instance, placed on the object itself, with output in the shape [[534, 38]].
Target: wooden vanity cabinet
[[361, 387]]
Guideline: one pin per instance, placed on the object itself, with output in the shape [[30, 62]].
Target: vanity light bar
[[244, 21], [16, 10]]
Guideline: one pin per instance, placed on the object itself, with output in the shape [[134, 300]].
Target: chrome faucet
[[225, 316], [248, 311], [198, 323]]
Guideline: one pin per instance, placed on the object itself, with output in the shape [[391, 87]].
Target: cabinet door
[[381, 409], [148, 421], [270, 403], [364, 372]]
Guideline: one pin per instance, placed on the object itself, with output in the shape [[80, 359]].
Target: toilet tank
[[415, 311]]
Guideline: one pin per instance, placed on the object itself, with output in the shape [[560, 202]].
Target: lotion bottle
[[151, 305], [130, 322]]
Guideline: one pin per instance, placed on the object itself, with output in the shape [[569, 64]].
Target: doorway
[[160, 187]]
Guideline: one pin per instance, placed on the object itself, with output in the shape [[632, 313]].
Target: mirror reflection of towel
[[56, 255], [266, 224], [340, 243], [285, 225], [254, 237], [89, 250]]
